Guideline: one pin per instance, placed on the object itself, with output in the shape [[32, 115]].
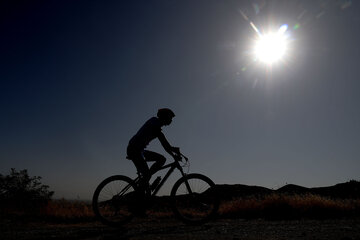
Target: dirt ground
[[344, 229]]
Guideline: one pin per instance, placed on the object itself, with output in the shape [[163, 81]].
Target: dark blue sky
[[79, 78]]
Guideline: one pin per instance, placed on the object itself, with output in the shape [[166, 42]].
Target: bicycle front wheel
[[113, 200], [194, 199]]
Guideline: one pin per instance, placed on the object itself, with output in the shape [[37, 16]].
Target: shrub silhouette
[[20, 191]]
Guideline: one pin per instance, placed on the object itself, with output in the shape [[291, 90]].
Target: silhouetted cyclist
[[137, 144]]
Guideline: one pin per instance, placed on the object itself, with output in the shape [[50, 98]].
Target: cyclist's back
[[148, 132]]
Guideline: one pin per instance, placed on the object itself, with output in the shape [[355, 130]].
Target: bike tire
[[112, 200], [198, 205]]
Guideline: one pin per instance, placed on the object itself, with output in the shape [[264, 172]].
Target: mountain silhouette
[[348, 190]]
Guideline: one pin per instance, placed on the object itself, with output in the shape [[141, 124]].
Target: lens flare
[[297, 26], [283, 29]]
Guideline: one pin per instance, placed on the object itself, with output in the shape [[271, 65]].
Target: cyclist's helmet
[[165, 113]]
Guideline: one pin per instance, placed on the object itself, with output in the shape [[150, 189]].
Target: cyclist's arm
[[166, 145]]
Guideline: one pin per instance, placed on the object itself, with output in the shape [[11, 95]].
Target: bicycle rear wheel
[[194, 199], [113, 200]]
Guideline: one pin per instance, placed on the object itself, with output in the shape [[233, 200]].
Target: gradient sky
[[78, 78]]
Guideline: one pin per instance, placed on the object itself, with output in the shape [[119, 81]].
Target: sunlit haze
[[265, 92]]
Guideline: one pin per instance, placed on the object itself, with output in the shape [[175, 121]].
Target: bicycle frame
[[172, 167]]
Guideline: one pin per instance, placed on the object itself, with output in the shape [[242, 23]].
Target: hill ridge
[[345, 190]]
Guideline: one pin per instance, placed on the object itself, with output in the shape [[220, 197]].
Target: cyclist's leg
[[139, 204], [137, 158], [144, 171], [154, 157]]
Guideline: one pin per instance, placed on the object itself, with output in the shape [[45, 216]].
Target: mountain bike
[[193, 198]]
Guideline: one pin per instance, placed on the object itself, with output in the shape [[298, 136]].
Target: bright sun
[[271, 47]]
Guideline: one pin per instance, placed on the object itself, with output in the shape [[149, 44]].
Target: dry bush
[[21, 192]]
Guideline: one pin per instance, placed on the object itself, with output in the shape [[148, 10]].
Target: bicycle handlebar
[[180, 156]]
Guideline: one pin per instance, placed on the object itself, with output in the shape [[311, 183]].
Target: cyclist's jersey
[[148, 132]]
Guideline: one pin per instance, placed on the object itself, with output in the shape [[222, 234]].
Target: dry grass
[[273, 206], [54, 211], [290, 206], [64, 209]]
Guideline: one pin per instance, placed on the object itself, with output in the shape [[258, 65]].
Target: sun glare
[[271, 47]]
